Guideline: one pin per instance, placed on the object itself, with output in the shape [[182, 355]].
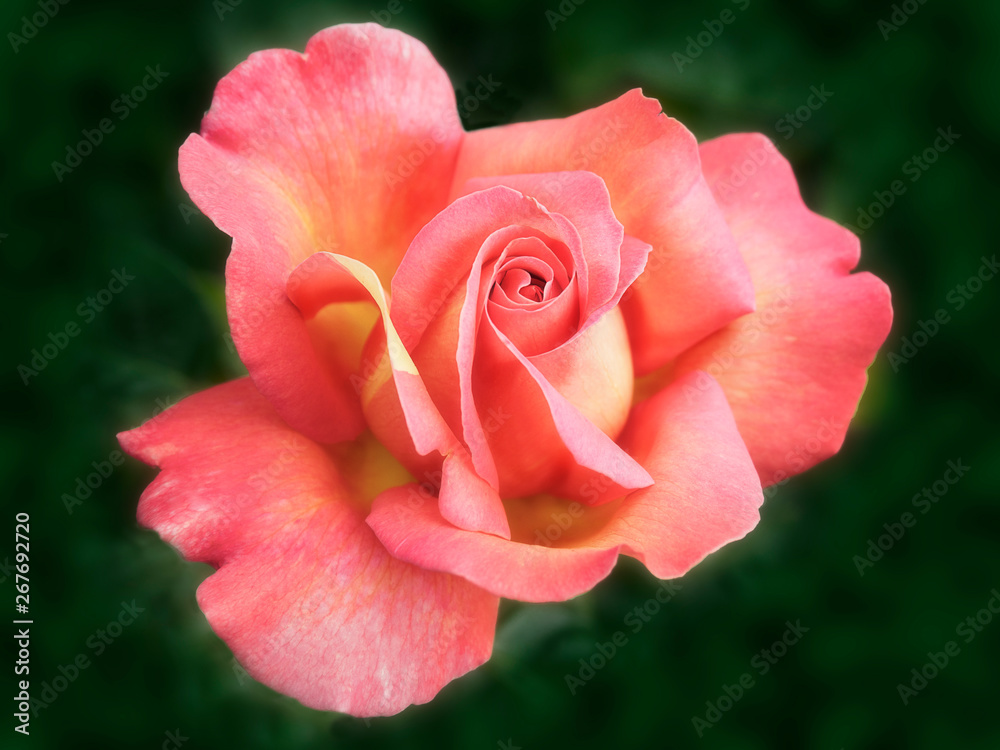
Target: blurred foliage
[[164, 336]]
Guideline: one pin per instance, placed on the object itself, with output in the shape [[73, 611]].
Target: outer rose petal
[[794, 370], [305, 596], [695, 281], [300, 153], [514, 570], [706, 495]]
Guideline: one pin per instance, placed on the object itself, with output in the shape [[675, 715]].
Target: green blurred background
[[164, 336]]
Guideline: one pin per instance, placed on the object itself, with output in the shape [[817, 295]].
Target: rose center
[[532, 293], [523, 286], [528, 275]]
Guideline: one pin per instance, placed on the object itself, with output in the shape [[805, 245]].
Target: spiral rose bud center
[[521, 286], [528, 272]]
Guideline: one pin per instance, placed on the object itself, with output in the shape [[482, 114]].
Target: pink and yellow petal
[[793, 370], [350, 148], [306, 597]]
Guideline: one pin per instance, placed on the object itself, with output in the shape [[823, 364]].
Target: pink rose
[[601, 338]]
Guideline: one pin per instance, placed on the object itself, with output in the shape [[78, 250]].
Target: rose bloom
[[482, 364]]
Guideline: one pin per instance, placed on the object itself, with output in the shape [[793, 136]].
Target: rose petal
[[706, 492], [555, 425], [706, 495], [514, 570], [306, 597], [305, 153], [794, 370], [696, 280]]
